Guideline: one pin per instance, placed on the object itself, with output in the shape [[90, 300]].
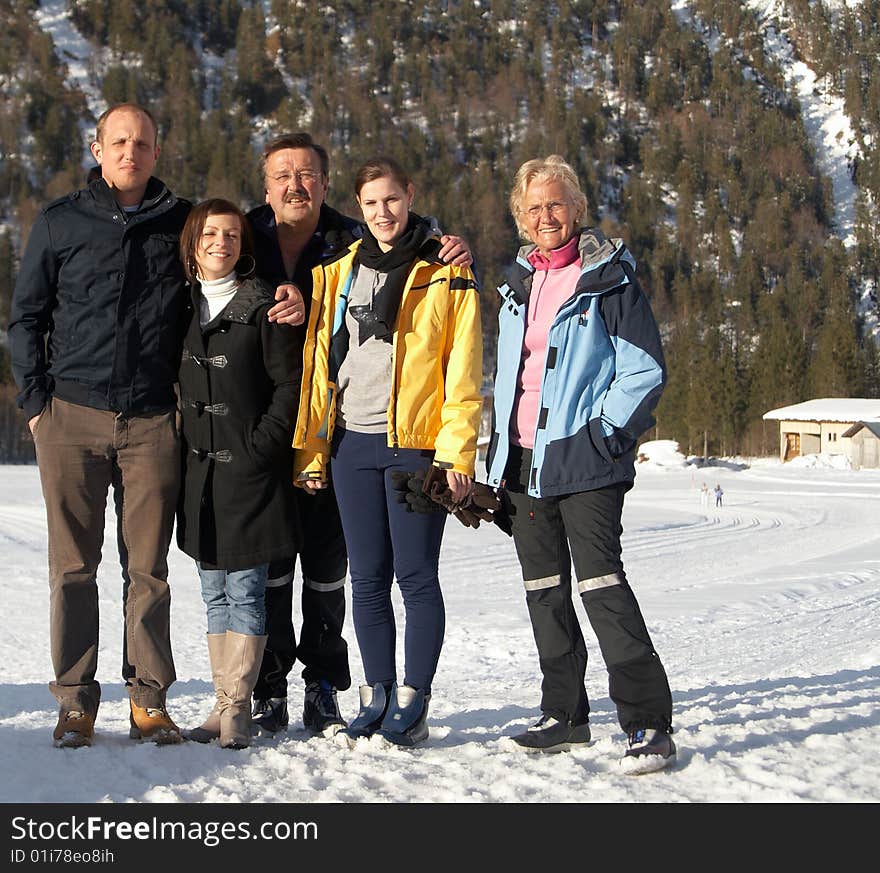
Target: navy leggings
[[385, 541]]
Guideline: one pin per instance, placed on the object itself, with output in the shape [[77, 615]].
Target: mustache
[[298, 193]]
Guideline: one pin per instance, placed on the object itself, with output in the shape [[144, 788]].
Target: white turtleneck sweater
[[216, 293]]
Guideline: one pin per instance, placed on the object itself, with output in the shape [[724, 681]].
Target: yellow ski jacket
[[437, 350]]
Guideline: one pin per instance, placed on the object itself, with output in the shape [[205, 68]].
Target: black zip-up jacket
[[107, 291]]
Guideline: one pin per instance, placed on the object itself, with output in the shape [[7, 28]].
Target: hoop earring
[[245, 267]]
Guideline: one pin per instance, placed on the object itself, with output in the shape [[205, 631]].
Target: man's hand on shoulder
[[455, 251], [290, 308]]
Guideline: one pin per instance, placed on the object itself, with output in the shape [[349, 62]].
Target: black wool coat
[[239, 388]]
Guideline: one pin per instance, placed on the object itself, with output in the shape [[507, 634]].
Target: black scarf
[[379, 317]]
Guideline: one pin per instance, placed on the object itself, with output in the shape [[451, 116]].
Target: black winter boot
[[321, 715], [549, 734], [269, 716]]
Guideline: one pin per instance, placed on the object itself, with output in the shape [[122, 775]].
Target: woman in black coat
[[239, 387]]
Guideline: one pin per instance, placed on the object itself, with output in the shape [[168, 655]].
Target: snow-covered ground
[[765, 612]]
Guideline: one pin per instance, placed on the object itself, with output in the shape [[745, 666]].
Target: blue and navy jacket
[[603, 374]]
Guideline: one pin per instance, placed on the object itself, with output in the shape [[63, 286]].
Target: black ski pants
[[584, 528], [323, 563]]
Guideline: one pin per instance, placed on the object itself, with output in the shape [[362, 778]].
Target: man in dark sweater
[[294, 232]]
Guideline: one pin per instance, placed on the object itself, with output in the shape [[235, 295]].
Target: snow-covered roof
[[828, 409], [872, 426]]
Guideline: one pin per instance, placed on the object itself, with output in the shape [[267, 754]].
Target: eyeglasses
[[306, 176], [554, 207]]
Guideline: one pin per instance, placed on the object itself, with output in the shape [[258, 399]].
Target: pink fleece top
[[552, 284]]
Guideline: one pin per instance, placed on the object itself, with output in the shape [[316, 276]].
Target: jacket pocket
[[255, 444], [597, 437]]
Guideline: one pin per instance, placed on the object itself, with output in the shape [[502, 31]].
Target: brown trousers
[[81, 453]]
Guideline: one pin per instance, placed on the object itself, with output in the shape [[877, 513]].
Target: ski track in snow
[[764, 612]]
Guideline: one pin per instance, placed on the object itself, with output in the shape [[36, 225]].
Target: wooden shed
[[864, 437], [828, 425]]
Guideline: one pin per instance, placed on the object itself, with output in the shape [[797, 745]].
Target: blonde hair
[[553, 167]]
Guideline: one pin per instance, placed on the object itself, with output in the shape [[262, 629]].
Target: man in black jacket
[[294, 232], [95, 340], [95, 336]]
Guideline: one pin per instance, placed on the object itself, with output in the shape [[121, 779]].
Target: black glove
[[410, 492], [492, 506], [427, 490]]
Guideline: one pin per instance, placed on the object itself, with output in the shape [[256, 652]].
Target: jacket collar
[[156, 195], [562, 257], [333, 235], [248, 298], [604, 264]]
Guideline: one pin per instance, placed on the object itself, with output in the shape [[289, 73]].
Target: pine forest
[[681, 123]]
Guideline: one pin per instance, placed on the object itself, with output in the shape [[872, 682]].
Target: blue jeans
[[385, 541], [235, 599]]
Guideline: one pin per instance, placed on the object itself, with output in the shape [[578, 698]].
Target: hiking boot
[[374, 703], [549, 734], [406, 721], [321, 715], [75, 728], [269, 716], [152, 724], [647, 751]]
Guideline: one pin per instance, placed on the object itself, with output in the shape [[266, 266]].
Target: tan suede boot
[[242, 656], [210, 727], [75, 728], [153, 724]]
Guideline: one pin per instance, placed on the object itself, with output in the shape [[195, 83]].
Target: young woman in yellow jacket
[[391, 381]]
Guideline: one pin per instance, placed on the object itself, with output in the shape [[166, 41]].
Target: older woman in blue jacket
[[580, 369]]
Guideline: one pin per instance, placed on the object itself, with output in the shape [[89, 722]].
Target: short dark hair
[[301, 140], [133, 107], [195, 224], [380, 167]]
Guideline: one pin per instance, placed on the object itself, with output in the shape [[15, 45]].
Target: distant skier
[[719, 493], [704, 496]]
